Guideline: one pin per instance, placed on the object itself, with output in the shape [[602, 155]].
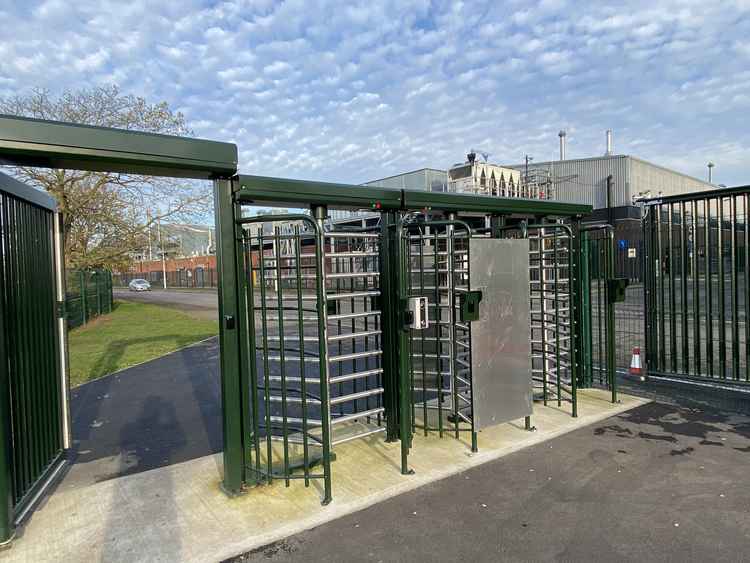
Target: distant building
[[584, 180], [483, 178]]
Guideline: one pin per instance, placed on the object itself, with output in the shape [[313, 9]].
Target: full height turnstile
[[384, 324]]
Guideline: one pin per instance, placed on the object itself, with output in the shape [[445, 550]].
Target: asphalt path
[[657, 483], [164, 411]]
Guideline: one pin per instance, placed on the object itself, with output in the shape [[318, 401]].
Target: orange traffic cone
[[635, 365]]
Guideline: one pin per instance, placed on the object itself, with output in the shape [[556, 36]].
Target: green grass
[[131, 334]]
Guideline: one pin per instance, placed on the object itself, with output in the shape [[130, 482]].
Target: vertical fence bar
[[252, 350], [722, 294], [734, 295], [282, 351], [684, 293], [302, 369], [696, 291], [746, 277], [672, 293], [319, 213], [708, 283], [661, 271]]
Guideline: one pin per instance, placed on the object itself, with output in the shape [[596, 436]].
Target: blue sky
[[358, 90]]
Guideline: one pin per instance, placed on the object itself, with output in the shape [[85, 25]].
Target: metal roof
[[53, 144], [27, 193]]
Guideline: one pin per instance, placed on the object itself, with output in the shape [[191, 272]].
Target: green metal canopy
[[52, 144], [282, 191], [260, 190]]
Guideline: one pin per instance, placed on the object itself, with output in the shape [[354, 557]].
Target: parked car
[[139, 285]]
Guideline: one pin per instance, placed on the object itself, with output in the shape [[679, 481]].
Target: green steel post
[[99, 280], [746, 207], [404, 355], [229, 345], [84, 298], [6, 425], [246, 340], [587, 344], [708, 284], [722, 294], [573, 287], [611, 316], [389, 328], [734, 298], [319, 213], [646, 275]]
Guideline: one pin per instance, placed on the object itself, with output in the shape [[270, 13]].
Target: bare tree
[[107, 216]]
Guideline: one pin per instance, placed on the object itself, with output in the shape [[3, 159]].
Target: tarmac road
[[657, 483], [200, 303]]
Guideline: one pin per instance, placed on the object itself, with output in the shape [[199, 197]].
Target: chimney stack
[[609, 143], [561, 134]]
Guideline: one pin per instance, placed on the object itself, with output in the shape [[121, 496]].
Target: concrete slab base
[[178, 513]]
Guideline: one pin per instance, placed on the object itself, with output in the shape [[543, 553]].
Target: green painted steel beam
[[690, 196], [466, 203], [53, 144], [261, 190]]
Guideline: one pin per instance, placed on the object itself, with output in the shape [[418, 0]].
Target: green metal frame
[[448, 229], [32, 142], [602, 246]]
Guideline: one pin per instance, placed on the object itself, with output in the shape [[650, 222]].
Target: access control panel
[[417, 316]]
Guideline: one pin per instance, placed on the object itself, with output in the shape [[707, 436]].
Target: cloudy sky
[[351, 91]]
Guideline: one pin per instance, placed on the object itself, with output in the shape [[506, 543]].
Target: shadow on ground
[[158, 413]]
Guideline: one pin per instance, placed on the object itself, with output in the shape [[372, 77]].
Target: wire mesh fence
[[88, 295]]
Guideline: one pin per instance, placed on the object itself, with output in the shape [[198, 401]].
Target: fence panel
[[31, 389], [697, 291], [88, 295]]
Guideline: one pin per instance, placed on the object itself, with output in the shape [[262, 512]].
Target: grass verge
[[131, 334]]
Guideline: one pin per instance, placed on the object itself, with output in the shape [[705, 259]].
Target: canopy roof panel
[[53, 144]]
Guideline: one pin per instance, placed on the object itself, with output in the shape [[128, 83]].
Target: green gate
[[697, 288], [600, 292], [33, 426]]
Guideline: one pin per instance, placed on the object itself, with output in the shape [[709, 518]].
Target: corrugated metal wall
[[645, 176], [585, 180]]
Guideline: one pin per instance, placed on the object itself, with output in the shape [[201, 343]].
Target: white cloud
[[314, 88]]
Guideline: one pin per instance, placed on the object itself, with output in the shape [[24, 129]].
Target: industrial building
[[609, 183]]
